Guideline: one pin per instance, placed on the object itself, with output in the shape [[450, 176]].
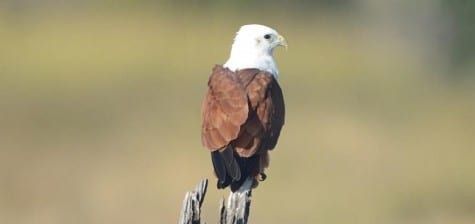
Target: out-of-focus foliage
[[100, 111], [455, 28], [462, 14]]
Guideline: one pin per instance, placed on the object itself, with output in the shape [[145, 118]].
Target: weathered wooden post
[[191, 210], [235, 211]]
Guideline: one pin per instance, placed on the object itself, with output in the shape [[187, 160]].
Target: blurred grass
[[100, 119]]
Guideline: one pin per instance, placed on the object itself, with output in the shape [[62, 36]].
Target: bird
[[243, 109]]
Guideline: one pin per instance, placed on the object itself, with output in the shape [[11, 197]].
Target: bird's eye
[[267, 36]]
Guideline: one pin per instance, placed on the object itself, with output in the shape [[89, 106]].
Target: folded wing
[[225, 109]]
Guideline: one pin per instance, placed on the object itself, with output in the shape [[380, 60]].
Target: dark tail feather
[[231, 164], [249, 167], [226, 167], [219, 169], [233, 171]]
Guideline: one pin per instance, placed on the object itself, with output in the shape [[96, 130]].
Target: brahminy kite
[[243, 110]]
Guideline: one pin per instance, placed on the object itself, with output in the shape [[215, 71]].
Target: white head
[[253, 47]]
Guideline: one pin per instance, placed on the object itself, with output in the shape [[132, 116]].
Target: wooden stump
[[235, 211], [191, 210]]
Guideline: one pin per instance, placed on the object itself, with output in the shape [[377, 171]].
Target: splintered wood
[[235, 211]]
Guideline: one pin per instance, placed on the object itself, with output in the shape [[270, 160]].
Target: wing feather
[[266, 115], [276, 116], [242, 116], [245, 109], [224, 109]]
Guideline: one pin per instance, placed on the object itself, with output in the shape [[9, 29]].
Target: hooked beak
[[281, 42]]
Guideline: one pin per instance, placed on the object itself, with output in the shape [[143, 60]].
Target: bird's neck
[[249, 59]]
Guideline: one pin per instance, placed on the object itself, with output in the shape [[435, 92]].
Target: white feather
[[251, 50]]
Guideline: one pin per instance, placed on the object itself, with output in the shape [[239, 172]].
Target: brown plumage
[[242, 115]]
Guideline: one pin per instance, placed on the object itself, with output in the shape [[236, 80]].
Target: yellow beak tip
[[283, 42]]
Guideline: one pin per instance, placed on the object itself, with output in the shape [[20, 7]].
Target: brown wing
[[242, 113], [224, 110], [266, 114], [276, 114]]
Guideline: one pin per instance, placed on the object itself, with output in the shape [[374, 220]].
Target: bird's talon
[[262, 176]]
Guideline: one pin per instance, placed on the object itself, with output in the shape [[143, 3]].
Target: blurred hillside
[[100, 110]]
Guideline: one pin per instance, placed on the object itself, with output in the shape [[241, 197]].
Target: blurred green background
[[100, 110]]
